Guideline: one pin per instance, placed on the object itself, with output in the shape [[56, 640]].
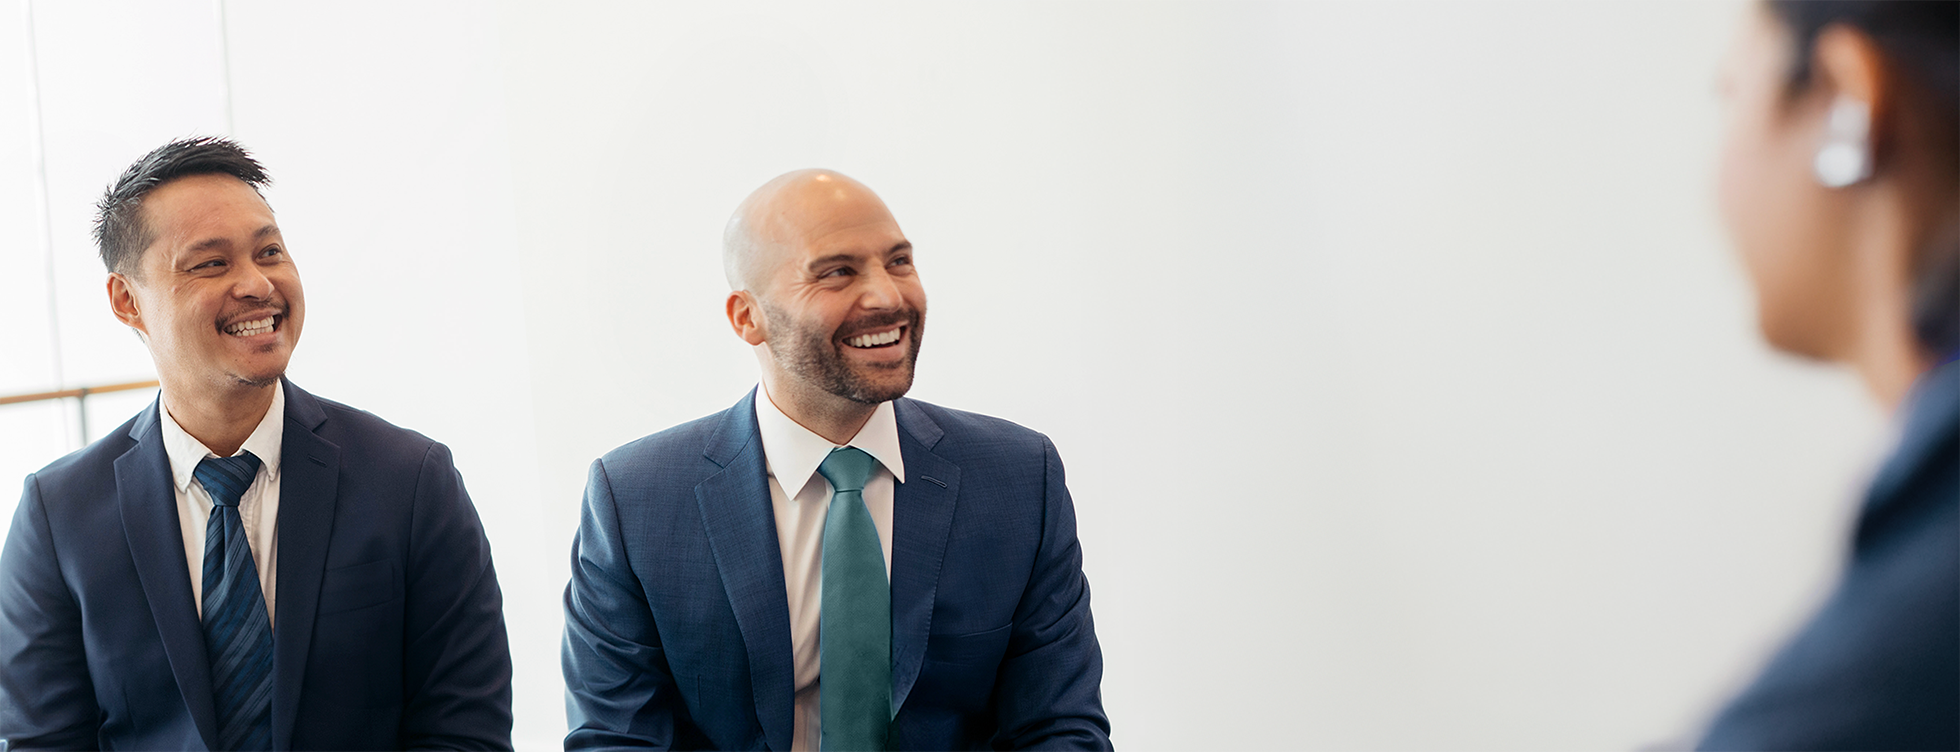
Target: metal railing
[[80, 394]]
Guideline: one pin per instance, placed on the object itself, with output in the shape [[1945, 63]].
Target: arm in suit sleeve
[[46, 698], [619, 691], [1050, 685], [456, 663]]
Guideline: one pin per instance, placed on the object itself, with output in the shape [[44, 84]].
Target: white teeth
[[250, 328], [874, 340]]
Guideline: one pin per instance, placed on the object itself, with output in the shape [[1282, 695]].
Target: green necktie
[[855, 629]]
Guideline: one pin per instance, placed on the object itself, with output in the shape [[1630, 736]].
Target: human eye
[[208, 265], [272, 251]]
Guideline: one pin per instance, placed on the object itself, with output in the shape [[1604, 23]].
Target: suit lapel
[[308, 485], [737, 513], [922, 516], [146, 491]]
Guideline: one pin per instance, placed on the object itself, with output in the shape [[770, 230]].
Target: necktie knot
[[847, 468], [226, 478]]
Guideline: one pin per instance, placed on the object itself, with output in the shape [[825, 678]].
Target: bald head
[[787, 213]]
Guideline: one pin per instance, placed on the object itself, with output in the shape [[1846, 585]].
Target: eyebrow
[[209, 243], [900, 247]]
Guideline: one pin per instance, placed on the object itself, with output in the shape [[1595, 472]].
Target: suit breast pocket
[[355, 660], [959, 670], [976, 648], [359, 586]]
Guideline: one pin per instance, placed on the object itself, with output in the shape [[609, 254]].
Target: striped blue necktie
[[237, 629], [854, 632]]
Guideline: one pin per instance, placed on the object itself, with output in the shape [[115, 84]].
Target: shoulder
[[366, 438], [970, 435], [686, 439], [346, 420], [680, 456], [92, 466], [1884, 636]]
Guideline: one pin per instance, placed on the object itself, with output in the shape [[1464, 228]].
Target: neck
[[825, 414], [1884, 350], [221, 421], [1889, 370]]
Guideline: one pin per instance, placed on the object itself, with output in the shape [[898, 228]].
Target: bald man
[[828, 565]]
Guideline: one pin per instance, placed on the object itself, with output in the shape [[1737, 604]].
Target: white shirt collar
[[794, 452], [185, 451]]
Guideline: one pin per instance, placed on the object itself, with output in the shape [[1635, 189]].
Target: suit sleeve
[[456, 662], [619, 691], [46, 698], [1050, 684]]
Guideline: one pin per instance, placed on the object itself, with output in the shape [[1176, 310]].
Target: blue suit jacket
[[1879, 665], [389, 629], [677, 622]]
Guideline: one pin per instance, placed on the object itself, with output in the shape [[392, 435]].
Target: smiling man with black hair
[[242, 565]]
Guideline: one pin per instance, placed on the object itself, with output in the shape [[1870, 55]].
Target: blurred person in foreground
[[827, 564], [242, 565], [1841, 187]]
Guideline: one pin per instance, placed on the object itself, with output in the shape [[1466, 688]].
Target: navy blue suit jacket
[[677, 622], [1879, 665], [389, 630]]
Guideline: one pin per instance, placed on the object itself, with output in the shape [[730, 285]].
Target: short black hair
[[120, 235]]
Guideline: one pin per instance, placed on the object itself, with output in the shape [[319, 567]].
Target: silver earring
[[1845, 158]]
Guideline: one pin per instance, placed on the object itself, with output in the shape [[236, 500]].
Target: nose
[[879, 292], [249, 281]]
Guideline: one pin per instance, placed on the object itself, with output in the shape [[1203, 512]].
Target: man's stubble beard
[[813, 355], [257, 383]]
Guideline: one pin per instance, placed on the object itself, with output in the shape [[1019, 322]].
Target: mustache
[[851, 329], [277, 309]]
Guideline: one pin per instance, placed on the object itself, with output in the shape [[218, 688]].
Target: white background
[[1410, 396]]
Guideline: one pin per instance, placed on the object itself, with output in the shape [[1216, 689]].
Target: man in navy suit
[[242, 565], [827, 565]]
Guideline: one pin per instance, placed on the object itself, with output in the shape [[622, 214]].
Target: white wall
[[1409, 394]]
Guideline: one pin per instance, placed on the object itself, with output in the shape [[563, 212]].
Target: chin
[[871, 392], [258, 378], [1788, 338], [257, 382]]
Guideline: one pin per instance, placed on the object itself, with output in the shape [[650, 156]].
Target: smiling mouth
[[876, 340], [254, 327]]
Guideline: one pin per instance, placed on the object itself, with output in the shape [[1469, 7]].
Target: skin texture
[[816, 259], [1832, 268], [216, 259]]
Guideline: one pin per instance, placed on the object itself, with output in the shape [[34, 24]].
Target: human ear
[[1848, 66], [123, 303], [745, 317]]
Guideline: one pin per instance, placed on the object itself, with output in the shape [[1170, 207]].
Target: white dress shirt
[[258, 509], [801, 499]]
